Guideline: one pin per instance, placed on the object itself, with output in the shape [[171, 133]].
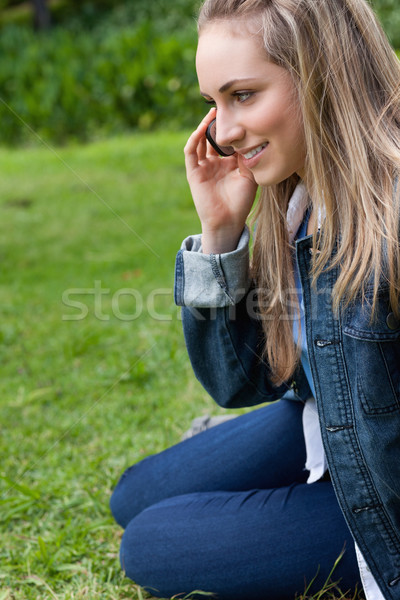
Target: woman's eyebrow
[[229, 84], [233, 82]]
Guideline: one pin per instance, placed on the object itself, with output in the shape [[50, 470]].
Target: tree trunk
[[41, 14]]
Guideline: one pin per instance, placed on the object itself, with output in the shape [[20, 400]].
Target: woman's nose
[[228, 130]]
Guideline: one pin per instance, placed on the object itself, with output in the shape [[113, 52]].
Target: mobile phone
[[211, 135]]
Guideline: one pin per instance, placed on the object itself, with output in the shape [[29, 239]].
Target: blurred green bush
[[100, 72], [76, 84], [389, 14]]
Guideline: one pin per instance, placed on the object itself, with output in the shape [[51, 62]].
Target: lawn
[[94, 370]]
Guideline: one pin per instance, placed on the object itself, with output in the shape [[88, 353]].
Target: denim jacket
[[355, 364]]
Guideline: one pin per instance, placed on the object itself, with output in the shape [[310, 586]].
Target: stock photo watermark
[[125, 304], [129, 304]]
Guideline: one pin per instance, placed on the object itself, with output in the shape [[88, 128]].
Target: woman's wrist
[[220, 242]]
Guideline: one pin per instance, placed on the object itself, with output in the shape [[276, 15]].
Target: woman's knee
[[141, 559], [123, 501], [138, 488]]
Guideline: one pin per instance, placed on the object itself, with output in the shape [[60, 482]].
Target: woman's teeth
[[255, 151]]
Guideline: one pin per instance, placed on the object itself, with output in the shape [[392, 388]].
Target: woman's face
[[257, 108]]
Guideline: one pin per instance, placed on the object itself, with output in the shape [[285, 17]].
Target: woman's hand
[[223, 191]]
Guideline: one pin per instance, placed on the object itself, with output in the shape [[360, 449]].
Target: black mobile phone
[[211, 135]]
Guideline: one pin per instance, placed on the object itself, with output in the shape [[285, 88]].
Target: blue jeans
[[229, 511]]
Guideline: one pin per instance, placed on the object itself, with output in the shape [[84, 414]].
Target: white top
[[316, 459]]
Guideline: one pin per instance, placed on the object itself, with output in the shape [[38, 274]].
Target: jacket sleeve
[[222, 330]]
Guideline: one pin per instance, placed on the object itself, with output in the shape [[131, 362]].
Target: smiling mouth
[[255, 151]]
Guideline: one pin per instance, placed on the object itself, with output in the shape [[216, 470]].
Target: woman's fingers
[[202, 149], [196, 146], [190, 150], [244, 171], [211, 153]]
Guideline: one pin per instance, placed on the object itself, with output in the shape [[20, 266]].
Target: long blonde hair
[[348, 81]]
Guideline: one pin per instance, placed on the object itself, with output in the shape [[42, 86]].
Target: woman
[[308, 110]]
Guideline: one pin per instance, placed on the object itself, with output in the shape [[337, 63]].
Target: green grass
[[83, 398]]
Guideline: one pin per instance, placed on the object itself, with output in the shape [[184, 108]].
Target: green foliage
[[166, 15], [107, 67], [389, 15], [72, 84], [88, 13]]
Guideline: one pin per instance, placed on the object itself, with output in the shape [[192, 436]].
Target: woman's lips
[[251, 158]]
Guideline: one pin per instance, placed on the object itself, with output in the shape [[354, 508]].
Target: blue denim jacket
[[355, 363]]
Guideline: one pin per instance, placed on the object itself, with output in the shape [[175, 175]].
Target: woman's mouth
[[255, 151]]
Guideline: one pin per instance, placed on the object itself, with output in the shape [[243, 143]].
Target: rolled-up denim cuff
[[211, 280]]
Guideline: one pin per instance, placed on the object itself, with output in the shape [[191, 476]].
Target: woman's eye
[[210, 102], [242, 96]]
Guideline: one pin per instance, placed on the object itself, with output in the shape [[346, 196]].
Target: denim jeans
[[229, 511]]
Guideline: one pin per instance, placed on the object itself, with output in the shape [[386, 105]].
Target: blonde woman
[[306, 108]]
